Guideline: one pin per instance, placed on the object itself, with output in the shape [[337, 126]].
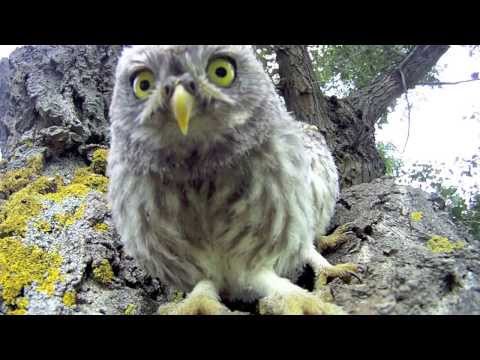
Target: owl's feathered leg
[[282, 297], [203, 300]]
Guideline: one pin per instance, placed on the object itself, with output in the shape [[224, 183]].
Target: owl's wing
[[323, 176]]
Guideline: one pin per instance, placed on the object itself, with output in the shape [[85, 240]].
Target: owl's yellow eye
[[221, 72], [143, 84]]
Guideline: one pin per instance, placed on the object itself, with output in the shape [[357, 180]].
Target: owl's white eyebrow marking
[[132, 71], [138, 65]]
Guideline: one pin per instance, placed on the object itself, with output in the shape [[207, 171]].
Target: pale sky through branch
[[5, 50], [438, 132]]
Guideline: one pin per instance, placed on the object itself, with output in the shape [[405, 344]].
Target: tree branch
[[441, 83], [409, 107], [302, 94], [374, 99]]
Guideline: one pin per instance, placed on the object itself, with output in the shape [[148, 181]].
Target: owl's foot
[[203, 300], [194, 305], [281, 297], [338, 237], [297, 303], [342, 271]]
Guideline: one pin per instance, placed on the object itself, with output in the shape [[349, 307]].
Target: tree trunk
[[349, 124]]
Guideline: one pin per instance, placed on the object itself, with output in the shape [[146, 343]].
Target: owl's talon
[[342, 271], [356, 276], [338, 237]]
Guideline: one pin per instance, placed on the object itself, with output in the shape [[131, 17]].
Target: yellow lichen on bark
[[130, 309], [103, 272], [14, 180], [70, 298], [88, 178], [99, 161], [68, 219], [22, 265], [440, 244], [101, 227]]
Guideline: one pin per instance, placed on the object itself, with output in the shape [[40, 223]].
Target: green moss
[[99, 161], [103, 272], [440, 244], [101, 227], [130, 309], [17, 179], [22, 265], [70, 298]]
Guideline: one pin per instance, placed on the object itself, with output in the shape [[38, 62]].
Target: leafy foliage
[[354, 65], [351, 67], [393, 164], [342, 69]]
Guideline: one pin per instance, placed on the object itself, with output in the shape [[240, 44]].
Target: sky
[[5, 50], [438, 130]]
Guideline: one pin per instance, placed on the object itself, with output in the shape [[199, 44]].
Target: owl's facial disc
[[182, 103]]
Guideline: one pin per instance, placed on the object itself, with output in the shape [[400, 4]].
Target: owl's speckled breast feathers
[[212, 181]]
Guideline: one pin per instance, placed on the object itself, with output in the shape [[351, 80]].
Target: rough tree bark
[[349, 124], [53, 100], [57, 96]]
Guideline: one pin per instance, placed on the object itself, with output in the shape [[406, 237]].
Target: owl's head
[[184, 96]]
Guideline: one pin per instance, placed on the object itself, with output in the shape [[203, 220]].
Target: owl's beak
[[182, 104]]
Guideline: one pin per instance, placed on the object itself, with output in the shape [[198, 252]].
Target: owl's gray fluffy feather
[[247, 190]]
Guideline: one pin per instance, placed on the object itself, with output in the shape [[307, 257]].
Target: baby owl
[[215, 188]]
